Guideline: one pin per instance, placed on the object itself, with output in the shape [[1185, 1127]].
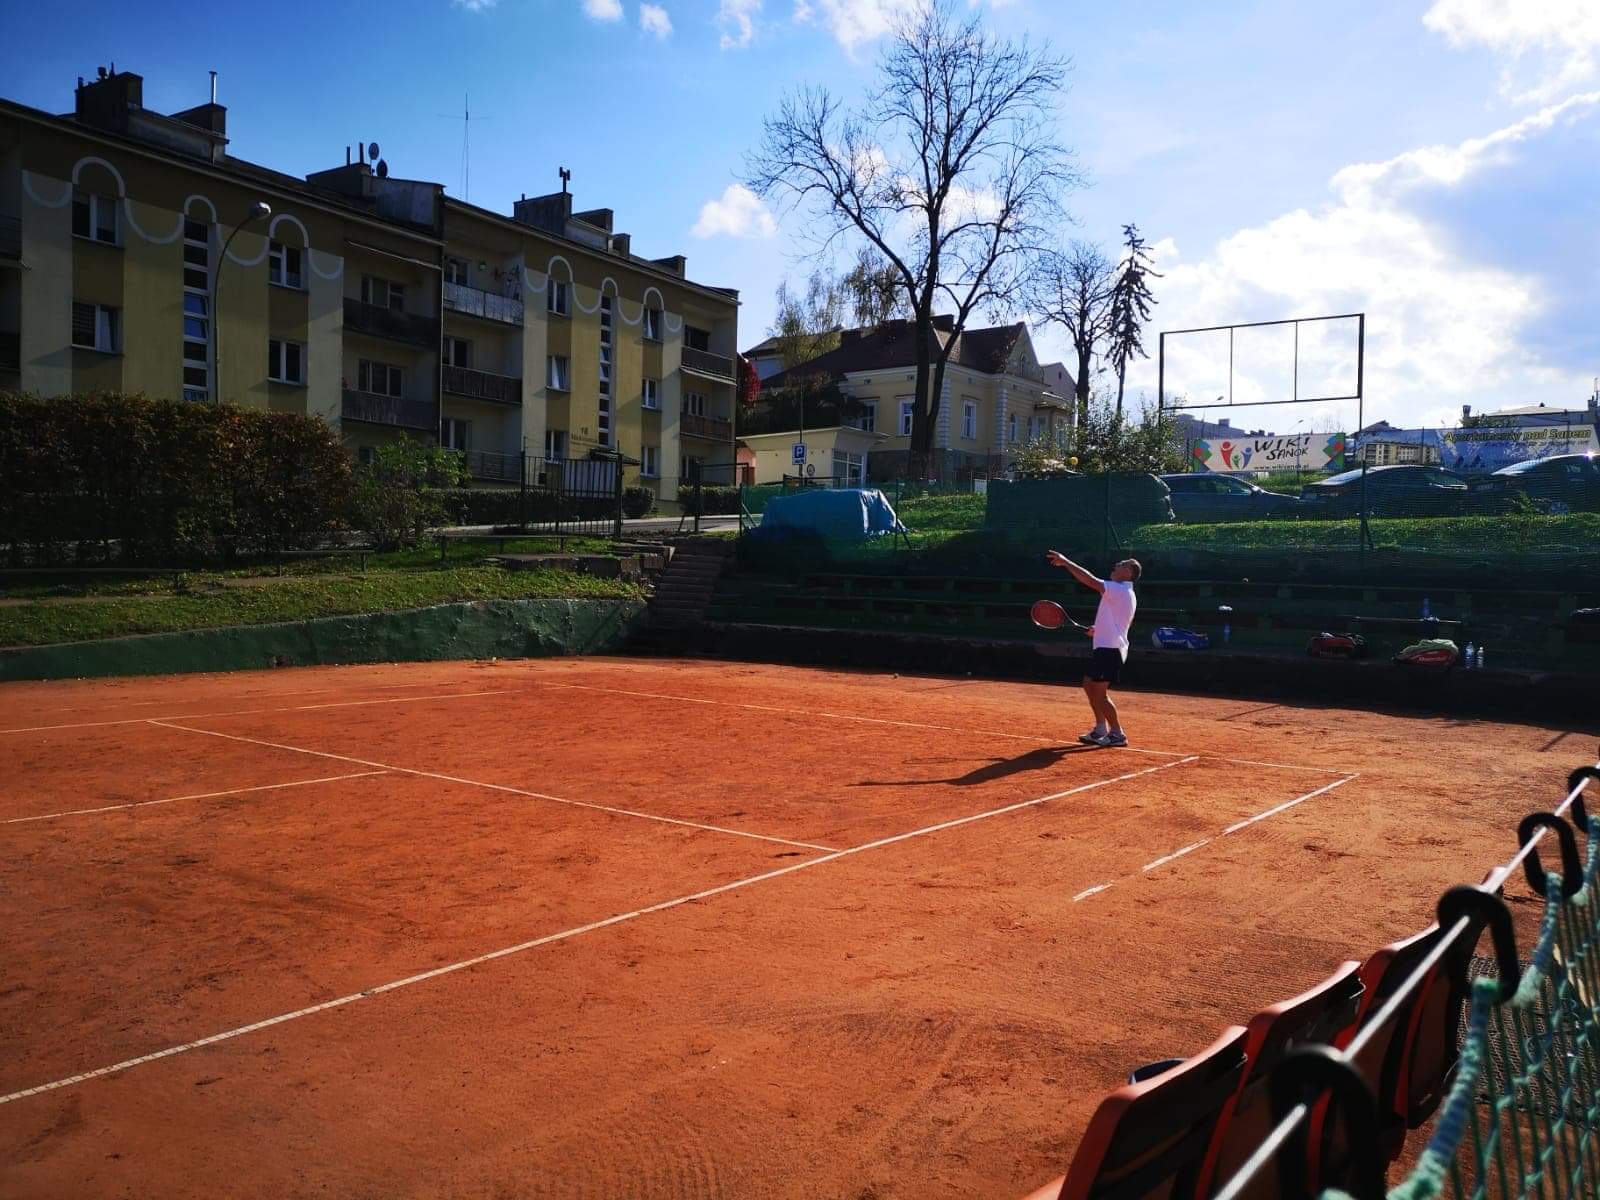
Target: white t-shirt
[[1114, 616]]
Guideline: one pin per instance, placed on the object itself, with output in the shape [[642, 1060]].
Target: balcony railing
[[493, 465], [10, 237], [711, 428], [483, 385], [458, 297], [389, 410], [703, 362], [10, 351], [389, 323]]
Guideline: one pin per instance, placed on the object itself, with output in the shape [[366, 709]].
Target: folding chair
[[1321, 1015], [1148, 1140]]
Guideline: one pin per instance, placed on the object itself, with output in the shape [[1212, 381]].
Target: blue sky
[[1435, 163]]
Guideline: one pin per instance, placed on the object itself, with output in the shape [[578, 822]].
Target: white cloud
[[853, 22], [473, 5], [737, 213], [654, 19], [603, 10], [1441, 327], [736, 19], [1551, 45]]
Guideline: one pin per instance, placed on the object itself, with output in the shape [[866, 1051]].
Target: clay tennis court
[[607, 928]]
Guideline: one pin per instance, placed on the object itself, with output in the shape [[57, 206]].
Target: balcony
[[10, 351], [389, 410], [10, 238], [712, 429], [475, 302], [712, 366], [389, 323], [483, 385], [493, 466]]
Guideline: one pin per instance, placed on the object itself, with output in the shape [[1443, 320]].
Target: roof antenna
[[566, 178], [213, 87]]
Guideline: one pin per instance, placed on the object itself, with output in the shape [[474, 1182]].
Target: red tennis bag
[[1337, 645]]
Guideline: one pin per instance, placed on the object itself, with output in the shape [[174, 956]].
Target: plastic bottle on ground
[[1470, 656], [1427, 609]]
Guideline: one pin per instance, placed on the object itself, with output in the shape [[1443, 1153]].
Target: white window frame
[[558, 372], [279, 256], [652, 324], [908, 416], [556, 297], [1011, 429], [650, 394], [393, 378], [394, 294], [602, 431], [457, 271], [196, 372], [278, 359], [452, 345], [969, 420], [100, 208], [107, 328], [694, 403], [650, 462], [455, 433], [867, 422], [555, 445]]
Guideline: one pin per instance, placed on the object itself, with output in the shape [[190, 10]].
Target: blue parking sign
[[799, 453]]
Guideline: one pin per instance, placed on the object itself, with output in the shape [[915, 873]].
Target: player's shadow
[[999, 768]]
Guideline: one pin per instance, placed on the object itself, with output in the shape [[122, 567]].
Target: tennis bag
[[1337, 645], [1170, 637], [1429, 652]]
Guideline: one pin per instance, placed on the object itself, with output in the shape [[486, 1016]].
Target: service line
[[265, 787], [246, 712], [563, 935]]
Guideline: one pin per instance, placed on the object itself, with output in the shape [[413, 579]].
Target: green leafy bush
[[399, 496], [105, 475], [714, 501], [637, 502]]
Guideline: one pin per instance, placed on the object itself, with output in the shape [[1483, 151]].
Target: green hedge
[[102, 475], [504, 506], [714, 500]]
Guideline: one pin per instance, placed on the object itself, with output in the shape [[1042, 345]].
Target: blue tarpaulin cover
[[837, 514]]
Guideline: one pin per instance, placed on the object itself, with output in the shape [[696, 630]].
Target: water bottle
[[1479, 665], [1227, 632], [1470, 658], [1427, 609]]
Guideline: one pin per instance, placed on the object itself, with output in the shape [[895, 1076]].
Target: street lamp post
[[259, 211]]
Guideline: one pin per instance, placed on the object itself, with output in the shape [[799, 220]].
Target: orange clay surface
[[603, 928]]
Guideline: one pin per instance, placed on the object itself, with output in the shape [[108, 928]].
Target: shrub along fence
[[95, 477]]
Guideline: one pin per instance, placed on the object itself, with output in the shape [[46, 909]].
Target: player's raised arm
[[1085, 577]]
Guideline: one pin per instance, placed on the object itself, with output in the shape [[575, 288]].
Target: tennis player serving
[[1110, 633]]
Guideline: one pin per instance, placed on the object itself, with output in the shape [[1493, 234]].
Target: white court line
[[246, 712], [806, 712], [1231, 829], [265, 787], [498, 787], [520, 947]]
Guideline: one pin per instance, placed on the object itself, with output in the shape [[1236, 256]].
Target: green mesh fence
[[1523, 1116]]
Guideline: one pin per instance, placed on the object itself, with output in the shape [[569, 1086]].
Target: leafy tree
[[1130, 305], [807, 324], [871, 289], [398, 495], [1108, 441]]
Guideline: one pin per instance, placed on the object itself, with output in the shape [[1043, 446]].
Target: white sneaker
[[1112, 740], [1092, 738]]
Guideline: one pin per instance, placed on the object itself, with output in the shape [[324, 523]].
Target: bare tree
[[1131, 302], [1073, 289], [949, 170], [807, 326]]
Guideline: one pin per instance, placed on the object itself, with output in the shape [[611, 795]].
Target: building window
[[908, 412], [849, 469], [283, 265], [94, 217], [651, 397], [603, 410], [196, 310], [385, 293], [969, 420], [652, 324], [1011, 428], [555, 297], [366, 455], [696, 339], [380, 379], [555, 443], [558, 376], [96, 327], [650, 461], [689, 467], [868, 420], [457, 352], [694, 403], [286, 361], [455, 271], [456, 433]]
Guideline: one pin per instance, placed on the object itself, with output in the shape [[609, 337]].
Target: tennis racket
[[1047, 614]]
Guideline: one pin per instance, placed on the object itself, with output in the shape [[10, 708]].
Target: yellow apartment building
[[138, 254], [997, 397]]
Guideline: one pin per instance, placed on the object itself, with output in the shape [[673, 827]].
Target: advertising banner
[[1484, 449], [1297, 452]]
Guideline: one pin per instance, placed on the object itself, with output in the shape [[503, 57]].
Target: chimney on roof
[[107, 101], [622, 244], [946, 322], [675, 263]]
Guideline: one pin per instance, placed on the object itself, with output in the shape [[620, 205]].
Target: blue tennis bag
[[1170, 637]]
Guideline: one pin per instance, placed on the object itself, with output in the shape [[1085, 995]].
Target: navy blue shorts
[[1105, 666]]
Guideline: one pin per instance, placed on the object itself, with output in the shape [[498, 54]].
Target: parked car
[[1204, 498], [1399, 491], [1562, 483]]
